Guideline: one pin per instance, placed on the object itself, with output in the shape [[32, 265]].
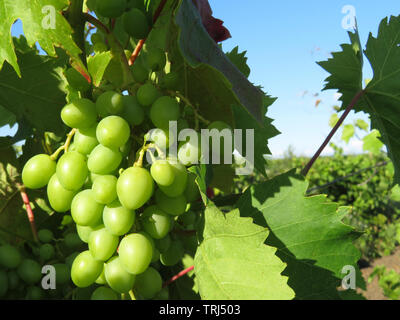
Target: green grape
[[133, 112], [83, 293], [174, 206], [85, 140], [161, 138], [156, 255], [103, 160], [117, 277], [164, 110], [173, 255], [111, 9], [38, 171], [113, 132], [73, 241], [182, 125], [156, 59], [147, 94], [85, 269], [3, 283], [149, 283], [102, 244], [34, 293], [135, 187], [156, 222], [179, 185], [29, 271], [70, 259], [135, 252], [135, 24], [76, 80], [104, 293], [10, 257], [139, 4], [110, 103], [63, 273], [117, 219], [163, 294], [84, 232], [45, 235], [189, 152], [170, 81], [46, 251], [188, 218], [162, 173], [85, 211], [163, 244], [126, 148], [60, 198], [79, 113], [13, 280], [192, 192], [105, 189], [72, 170], [102, 278], [140, 74]]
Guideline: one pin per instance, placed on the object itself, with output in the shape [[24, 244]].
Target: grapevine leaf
[[232, 261], [348, 132], [333, 120], [372, 142], [97, 65], [38, 95], [239, 60], [42, 22], [361, 124], [6, 117], [308, 233]]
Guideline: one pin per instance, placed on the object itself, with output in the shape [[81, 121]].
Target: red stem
[[357, 97], [176, 277], [29, 212], [141, 42]]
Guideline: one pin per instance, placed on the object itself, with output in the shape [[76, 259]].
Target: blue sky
[[283, 40]]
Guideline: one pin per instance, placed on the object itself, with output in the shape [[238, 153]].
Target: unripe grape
[[85, 269], [161, 138], [79, 113], [113, 132], [73, 241], [139, 73], [10, 257], [63, 273], [72, 170], [170, 81], [133, 112], [104, 293], [45, 235], [103, 160], [60, 198], [156, 59], [102, 244], [192, 192], [117, 277], [173, 255], [105, 189], [76, 80], [156, 222], [38, 171], [189, 153], [147, 94], [29, 271], [109, 103], [139, 4], [135, 252], [179, 185], [85, 231], [13, 280], [135, 23], [174, 206], [34, 293], [164, 110], [85, 140], [162, 173], [117, 219], [102, 278], [135, 187], [46, 251], [85, 211], [163, 244], [111, 9], [149, 283]]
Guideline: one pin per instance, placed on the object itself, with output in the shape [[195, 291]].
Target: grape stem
[[143, 150], [29, 211], [309, 165], [141, 42], [64, 147], [179, 275]]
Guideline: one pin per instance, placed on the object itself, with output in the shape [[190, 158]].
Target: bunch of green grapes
[[125, 189]]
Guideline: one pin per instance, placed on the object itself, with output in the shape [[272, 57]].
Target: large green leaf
[[42, 22], [39, 95], [381, 98], [308, 233], [232, 262]]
